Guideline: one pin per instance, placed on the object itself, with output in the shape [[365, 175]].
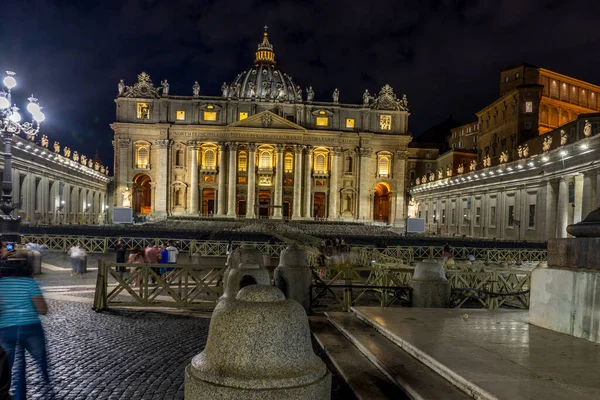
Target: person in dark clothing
[[121, 252]]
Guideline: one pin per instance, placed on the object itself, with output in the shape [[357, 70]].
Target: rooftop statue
[[336, 96], [310, 94], [56, 147], [367, 97], [165, 87], [196, 89], [121, 87], [587, 129], [224, 89], [564, 137], [299, 94], [76, 156], [44, 141]]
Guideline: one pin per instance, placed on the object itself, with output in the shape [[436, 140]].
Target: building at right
[[527, 166]]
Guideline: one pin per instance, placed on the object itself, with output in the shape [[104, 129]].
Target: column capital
[[163, 143], [365, 152], [298, 148], [124, 143], [193, 143], [233, 146], [280, 148], [337, 150], [402, 154], [251, 147], [309, 149]]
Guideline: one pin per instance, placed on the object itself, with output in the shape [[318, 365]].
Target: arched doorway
[[319, 205], [142, 194], [381, 205]]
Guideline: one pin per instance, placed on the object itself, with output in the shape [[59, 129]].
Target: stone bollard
[[293, 276], [34, 258], [245, 275], [245, 254], [258, 348], [430, 288], [197, 258]]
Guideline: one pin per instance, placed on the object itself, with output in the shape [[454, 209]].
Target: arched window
[[288, 162], [179, 158], [142, 157], [209, 159], [265, 160], [179, 197], [242, 161], [320, 163], [384, 166]]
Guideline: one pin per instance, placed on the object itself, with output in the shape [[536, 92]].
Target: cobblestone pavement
[[119, 354]]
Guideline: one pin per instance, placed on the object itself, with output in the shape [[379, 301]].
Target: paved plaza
[[118, 354]]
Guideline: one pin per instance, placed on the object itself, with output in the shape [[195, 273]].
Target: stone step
[[366, 381], [417, 380]]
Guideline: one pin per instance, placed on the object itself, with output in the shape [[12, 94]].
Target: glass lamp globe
[[4, 103], [10, 82], [15, 117], [39, 116], [33, 108]]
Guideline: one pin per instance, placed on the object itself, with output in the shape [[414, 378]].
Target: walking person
[[151, 255], [172, 255], [21, 303], [164, 259], [136, 257]]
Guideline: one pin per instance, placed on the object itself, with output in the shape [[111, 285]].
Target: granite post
[[430, 288], [293, 275]]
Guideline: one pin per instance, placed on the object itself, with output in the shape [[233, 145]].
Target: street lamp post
[[10, 124]]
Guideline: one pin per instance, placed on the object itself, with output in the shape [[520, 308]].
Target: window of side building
[[385, 122], [242, 161], [350, 123], [243, 115], [511, 215], [180, 115], [532, 215], [384, 166], [288, 162], [210, 115]]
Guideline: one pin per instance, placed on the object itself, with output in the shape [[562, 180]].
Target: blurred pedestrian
[[152, 254], [21, 303], [4, 376], [78, 258], [136, 257], [164, 258]]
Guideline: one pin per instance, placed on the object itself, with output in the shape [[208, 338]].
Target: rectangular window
[[434, 216], [426, 216], [452, 216], [243, 115], [210, 115], [511, 215], [143, 111], [180, 115], [443, 215], [241, 179], [571, 192], [532, 215], [465, 219], [493, 216], [322, 121], [528, 106], [385, 122], [349, 122]]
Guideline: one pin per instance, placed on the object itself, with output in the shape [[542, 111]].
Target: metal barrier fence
[[94, 244], [183, 286]]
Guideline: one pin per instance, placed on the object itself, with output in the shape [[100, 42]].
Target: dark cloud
[[445, 55]]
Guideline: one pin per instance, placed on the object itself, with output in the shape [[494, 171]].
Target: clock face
[[385, 122]]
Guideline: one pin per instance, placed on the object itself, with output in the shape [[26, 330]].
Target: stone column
[[589, 193], [365, 189], [563, 208], [578, 186], [297, 206], [400, 198], [250, 201], [278, 187], [551, 196], [232, 179], [193, 146], [162, 176], [221, 211], [597, 200], [124, 166], [308, 196], [334, 190]]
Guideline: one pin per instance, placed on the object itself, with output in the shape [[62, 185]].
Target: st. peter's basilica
[[263, 148]]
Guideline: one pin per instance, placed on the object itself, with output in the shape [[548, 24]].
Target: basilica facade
[[263, 148]]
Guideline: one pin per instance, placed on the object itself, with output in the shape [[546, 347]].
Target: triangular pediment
[[268, 120]]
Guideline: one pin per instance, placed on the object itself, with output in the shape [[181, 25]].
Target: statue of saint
[[299, 94], [252, 92], [102, 169], [106, 170], [404, 101], [526, 150], [121, 87], [44, 141], [56, 147], [366, 97], [126, 198], [224, 89], [280, 92], [310, 94], [473, 165], [90, 163], [75, 156], [97, 166], [83, 160], [196, 89], [67, 152], [165, 87], [564, 137], [587, 129], [336, 96]]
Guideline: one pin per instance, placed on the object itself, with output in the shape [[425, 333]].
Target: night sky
[[445, 55]]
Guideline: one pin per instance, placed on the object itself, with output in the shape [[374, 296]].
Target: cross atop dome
[[265, 52]]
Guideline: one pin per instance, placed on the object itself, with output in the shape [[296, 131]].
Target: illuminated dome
[[263, 81]]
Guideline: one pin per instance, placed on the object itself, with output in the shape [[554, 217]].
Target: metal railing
[[185, 285]]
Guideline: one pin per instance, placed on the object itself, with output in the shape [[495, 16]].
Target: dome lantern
[[265, 53]]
